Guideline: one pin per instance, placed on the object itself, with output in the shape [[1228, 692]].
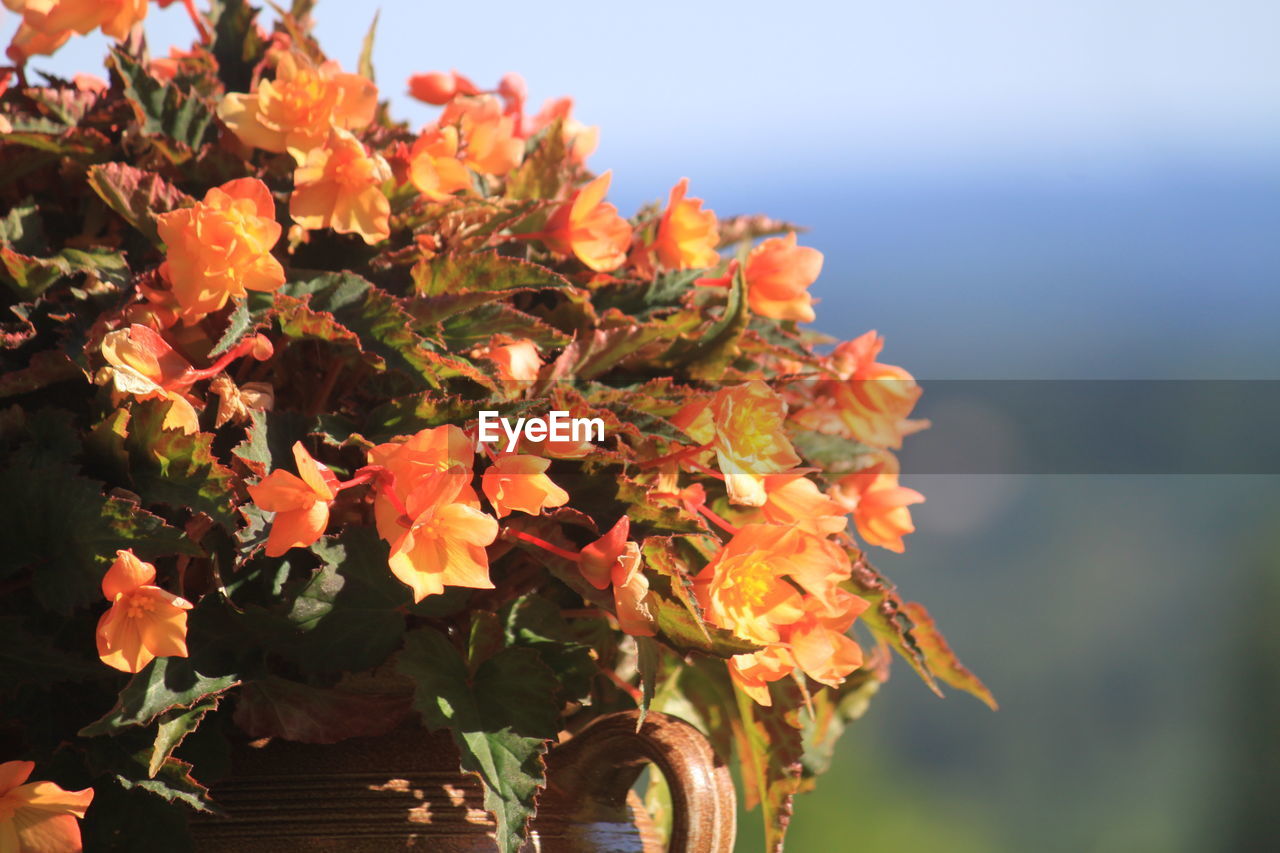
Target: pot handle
[[596, 768]]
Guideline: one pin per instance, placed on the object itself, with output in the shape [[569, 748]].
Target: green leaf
[[481, 273], [365, 66], [770, 749], [179, 122], [648, 658], [22, 229], [173, 728], [29, 277], [541, 174], [138, 196], [707, 354], [478, 325], [131, 820], [164, 685], [277, 707], [62, 527], [534, 622], [349, 615], [167, 466], [942, 661], [501, 719], [885, 617], [173, 782], [834, 454], [382, 326], [250, 313], [237, 45]]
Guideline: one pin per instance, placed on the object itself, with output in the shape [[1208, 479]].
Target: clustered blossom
[[425, 275]]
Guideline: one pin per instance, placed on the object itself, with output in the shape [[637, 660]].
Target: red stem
[[545, 545]]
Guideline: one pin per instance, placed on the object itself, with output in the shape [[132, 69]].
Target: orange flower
[[818, 642], [516, 481], [590, 227], [578, 138], [427, 511], [144, 621], [492, 146], [753, 671], [142, 364], [438, 88], [744, 587], [687, 234], [38, 817], [295, 111], [792, 498], [440, 539], [339, 186], [47, 24], [221, 247], [434, 166], [517, 361], [778, 275], [744, 424], [426, 452], [300, 502], [872, 401], [879, 505], [613, 559]]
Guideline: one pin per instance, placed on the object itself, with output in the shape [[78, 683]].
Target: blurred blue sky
[[1005, 189]]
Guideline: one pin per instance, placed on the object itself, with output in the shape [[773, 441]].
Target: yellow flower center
[[138, 606], [752, 580]]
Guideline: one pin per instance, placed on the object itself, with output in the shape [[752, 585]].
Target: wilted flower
[[38, 817], [220, 248], [613, 559], [142, 364], [144, 621], [339, 186]]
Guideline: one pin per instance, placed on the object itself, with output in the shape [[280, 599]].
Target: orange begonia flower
[[687, 234], [870, 402], [491, 145], [142, 364], [613, 559], [590, 227], [434, 165], [744, 424], [744, 587], [438, 88], [753, 671], [879, 505], [219, 248], [38, 817], [339, 186], [517, 481], [429, 514], [818, 642], [792, 498], [47, 24], [144, 621], [778, 274], [440, 539], [300, 502], [295, 111]]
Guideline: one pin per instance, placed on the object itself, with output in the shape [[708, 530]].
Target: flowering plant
[[252, 325]]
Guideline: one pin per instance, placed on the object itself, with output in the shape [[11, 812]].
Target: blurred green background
[[1005, 190]]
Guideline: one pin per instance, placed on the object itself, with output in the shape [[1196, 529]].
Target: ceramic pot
[[404, 791]]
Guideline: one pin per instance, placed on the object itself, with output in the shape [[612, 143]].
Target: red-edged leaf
[[941, 659], [276, 707]]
